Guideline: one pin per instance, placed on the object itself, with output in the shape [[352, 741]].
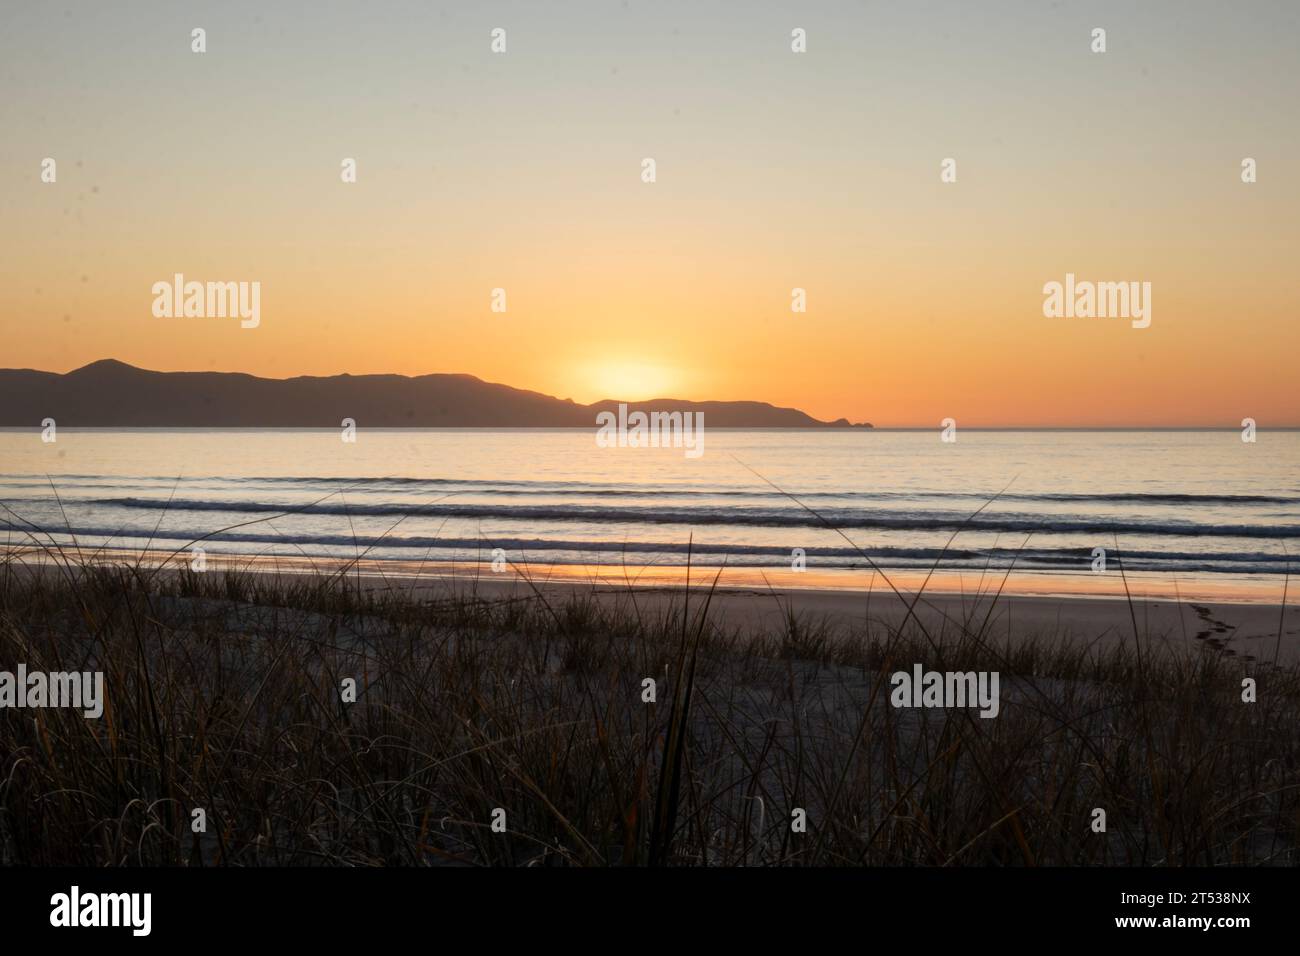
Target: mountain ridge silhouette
[[110, 393]]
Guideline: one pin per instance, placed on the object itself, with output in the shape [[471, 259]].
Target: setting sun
[[628, 380]]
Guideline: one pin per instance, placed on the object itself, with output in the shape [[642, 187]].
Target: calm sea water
[[1175, 501]]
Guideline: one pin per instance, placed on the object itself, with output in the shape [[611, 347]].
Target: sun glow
[[631, 381]]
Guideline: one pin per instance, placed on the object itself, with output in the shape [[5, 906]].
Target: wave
[[346, 545], [558, 488], [747, 517]]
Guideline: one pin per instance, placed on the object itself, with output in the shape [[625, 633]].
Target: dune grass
[[224, 694]]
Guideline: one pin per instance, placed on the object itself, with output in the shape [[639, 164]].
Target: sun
[[631, 380]]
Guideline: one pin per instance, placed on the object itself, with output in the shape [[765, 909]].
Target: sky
[[775, 170]]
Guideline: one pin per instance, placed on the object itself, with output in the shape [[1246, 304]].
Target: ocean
[[1201, 502]]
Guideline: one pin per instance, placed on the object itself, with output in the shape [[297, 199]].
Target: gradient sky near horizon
[[775, 170]]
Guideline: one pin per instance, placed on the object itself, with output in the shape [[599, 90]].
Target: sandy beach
[[1242, 617], [1247, 629]]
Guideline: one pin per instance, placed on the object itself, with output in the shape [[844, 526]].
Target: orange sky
[[775, 170]]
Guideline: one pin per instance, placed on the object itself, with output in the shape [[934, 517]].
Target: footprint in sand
[[1215, 627]]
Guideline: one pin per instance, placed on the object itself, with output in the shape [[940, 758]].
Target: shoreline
[[1261, 589], [1245, 623]]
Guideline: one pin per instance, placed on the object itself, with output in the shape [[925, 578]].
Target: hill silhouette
[[109, 393]]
